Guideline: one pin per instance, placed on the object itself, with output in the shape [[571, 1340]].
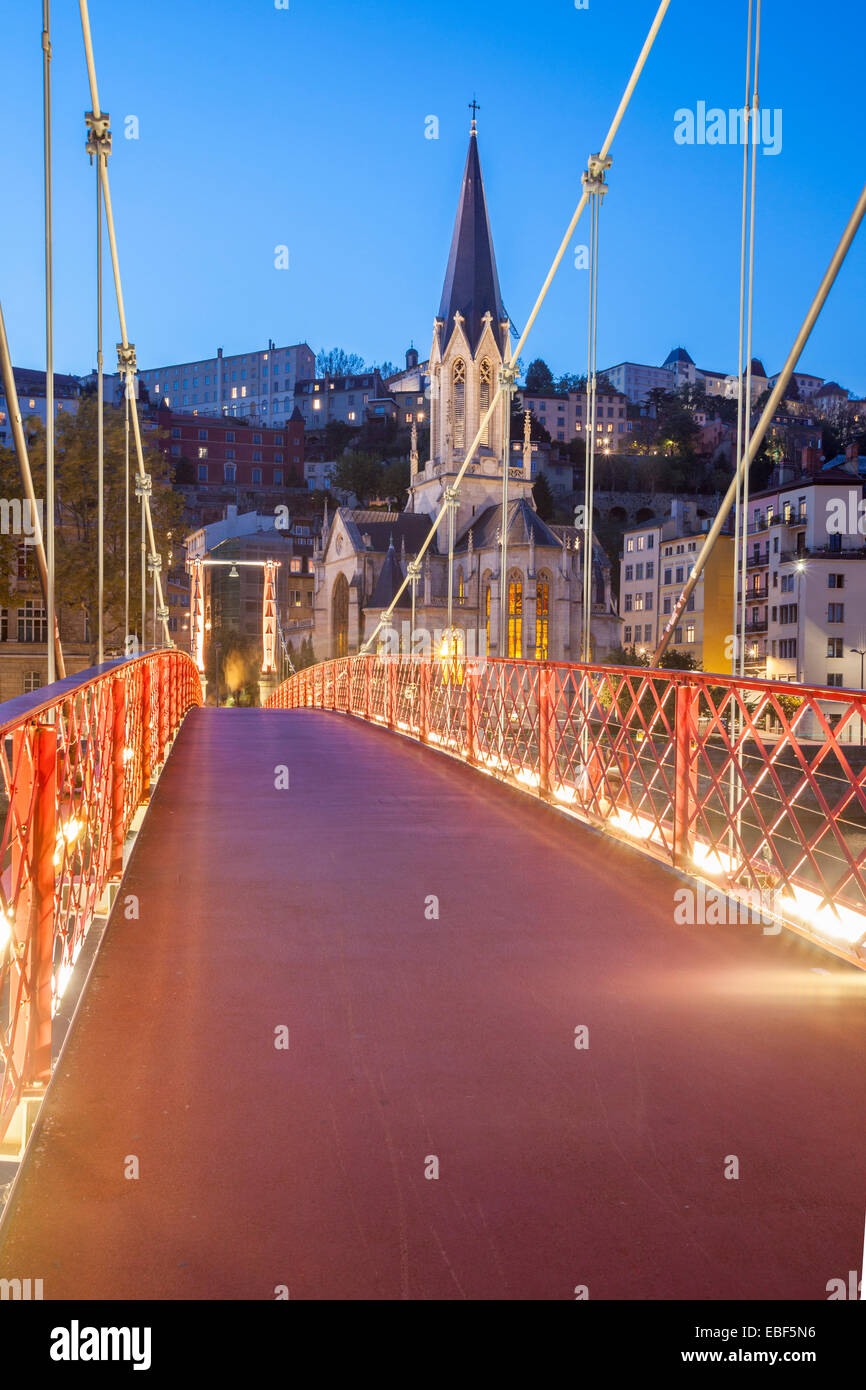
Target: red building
[[219, 451]]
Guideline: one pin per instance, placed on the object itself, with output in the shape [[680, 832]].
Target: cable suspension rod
[[769, 410], [50, 614], [605, 150], [740, 340], [20, 441], [126, 351]]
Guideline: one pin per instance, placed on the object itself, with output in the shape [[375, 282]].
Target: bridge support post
[[390, 696], [164, 696], [350, 688], [118, 776], [34, 759], [426, 669], [146, 727], [546, 729], [471, 688], [367, 678], [685, 773]]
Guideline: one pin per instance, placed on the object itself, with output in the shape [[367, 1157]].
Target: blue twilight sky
[[305, 126]]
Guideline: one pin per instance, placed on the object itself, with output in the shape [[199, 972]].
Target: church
[[364, 554]]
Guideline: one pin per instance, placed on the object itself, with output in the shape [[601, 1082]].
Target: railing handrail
[[26, 708]]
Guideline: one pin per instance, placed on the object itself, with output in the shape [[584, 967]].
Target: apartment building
[[658, 558], [806, 577], [32, 400], [348, 399], [219, 451], [257, 384], [565, 416]]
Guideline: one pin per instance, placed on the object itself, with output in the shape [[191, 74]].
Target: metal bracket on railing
[[143, 485]]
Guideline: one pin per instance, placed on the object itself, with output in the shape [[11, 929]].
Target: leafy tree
[[76, 558], [539, 377], [537, 431], [571, 382], [360, 473], [543, 498], [337, 362], [338, 436], [394, 481]]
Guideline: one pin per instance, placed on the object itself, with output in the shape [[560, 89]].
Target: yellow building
[[704, 629]]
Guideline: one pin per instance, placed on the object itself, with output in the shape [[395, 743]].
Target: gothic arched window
[[486, 379], [486, 614], [542, 616], [515, 615], [461, 585], [340, 617], [459, 398]]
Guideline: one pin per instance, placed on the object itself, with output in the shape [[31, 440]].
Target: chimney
[[852, 458], [812, 460]]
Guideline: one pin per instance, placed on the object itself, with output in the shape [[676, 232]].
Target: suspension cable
[[778, 391], [747, 400], [521, 343], [738, 579], [50, 615], [100, 427], [126, 350]]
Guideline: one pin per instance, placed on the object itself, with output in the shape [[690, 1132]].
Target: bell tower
[[470, 344]]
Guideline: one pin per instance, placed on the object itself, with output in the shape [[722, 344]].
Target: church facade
[[536, 610]]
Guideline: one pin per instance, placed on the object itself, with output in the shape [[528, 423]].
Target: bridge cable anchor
[[98, 134]]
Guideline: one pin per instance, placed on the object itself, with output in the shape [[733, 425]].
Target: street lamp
[[861, 652]]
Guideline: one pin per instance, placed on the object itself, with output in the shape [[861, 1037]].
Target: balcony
[[759, 625], [756, 561], [824, 552]]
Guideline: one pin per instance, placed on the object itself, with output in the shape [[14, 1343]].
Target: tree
[[337, 362], [543, 497], [76, 558], [571, 382], [385, 369], [360, 473], [338, 436], [539, 377], [395, 482]]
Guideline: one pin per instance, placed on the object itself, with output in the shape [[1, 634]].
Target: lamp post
[[861, 652]]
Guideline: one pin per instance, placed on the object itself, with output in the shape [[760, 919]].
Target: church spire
[[471, 281]]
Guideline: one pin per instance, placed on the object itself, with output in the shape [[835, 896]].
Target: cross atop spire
[[474, 107]]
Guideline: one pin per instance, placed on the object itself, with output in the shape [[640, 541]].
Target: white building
[[261, 384], [806, 577], [32, 400]]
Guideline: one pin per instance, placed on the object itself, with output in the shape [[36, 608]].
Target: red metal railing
[[76, 760], [756, 787]]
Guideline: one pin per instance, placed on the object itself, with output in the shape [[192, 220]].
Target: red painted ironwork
[[756, 787], [76, 760]]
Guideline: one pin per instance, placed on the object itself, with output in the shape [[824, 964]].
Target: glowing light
[[5, 930], [529, 779], [712, 861], [640, 827], [128, 755], [837, 923], [566, 794], [72, 829]]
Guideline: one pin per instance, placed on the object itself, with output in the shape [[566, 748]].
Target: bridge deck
[[412, 1037]]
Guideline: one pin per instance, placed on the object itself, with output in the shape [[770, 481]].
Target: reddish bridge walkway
[[412, 1037]]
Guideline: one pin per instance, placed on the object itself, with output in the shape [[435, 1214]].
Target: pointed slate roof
[[389, 581], [471, 280]]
